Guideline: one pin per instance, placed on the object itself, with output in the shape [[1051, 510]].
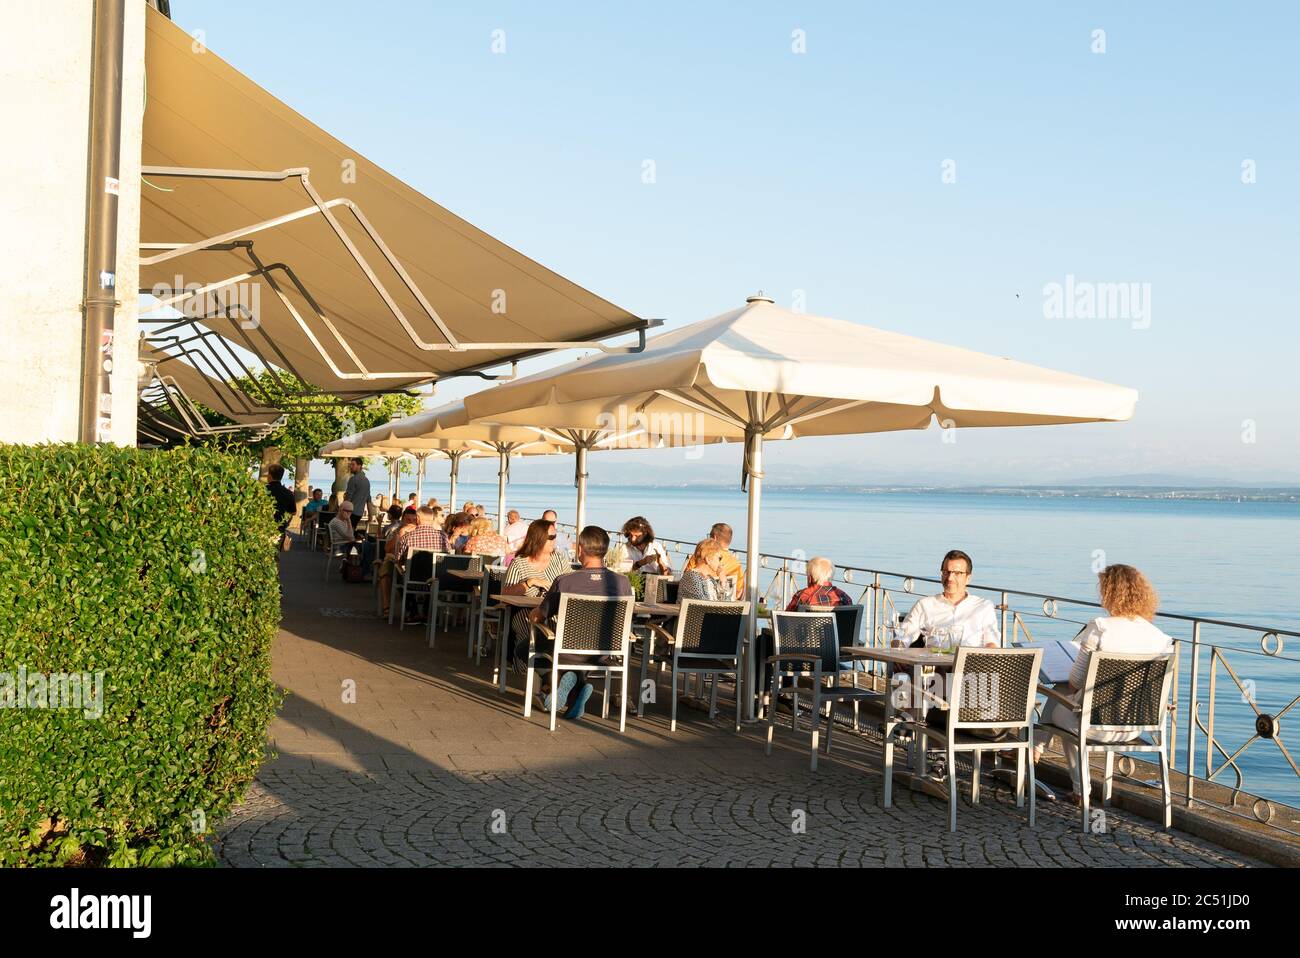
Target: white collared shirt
[[978, 619]]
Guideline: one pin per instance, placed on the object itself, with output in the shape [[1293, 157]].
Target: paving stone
[[431, 758]]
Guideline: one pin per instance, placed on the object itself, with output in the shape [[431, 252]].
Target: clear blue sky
[[821, 172]]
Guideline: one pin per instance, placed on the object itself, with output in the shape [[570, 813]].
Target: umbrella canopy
[[449, 429], [358, 282], [790, 374], [762, 371]]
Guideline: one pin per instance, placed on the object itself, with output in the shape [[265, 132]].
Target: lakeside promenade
[[430, 766]]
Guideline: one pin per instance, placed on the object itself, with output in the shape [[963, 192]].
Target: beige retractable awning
[[215, 394], [357, 282]]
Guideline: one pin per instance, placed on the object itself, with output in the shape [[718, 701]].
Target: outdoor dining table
[[917, 660]]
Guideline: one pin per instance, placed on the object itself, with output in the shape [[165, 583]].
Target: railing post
[[1191, 711], [1003, 630], [785, 583], [875, 608], [1209, 722]]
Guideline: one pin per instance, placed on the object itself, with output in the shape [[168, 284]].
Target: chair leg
[[713, 695], [794, 706], [769, 709], [392, 599], [815, 719], [1085, 785], [622, 699], [830, 723], [1109, 775], [528, 690], [672, 721], [1033, 783], [975, 776], [952, 788], [889, 763], [1020, 776], [555, 686], [429, 631], [401, 619], [640, 685], [1164, 785], [737, 701], [604, 702]]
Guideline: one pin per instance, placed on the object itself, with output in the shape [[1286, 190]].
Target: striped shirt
[[521, 570]]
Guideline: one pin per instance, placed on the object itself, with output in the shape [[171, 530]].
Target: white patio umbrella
[[765, 372], [449, 429]]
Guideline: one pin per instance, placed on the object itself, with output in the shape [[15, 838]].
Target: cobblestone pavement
[[430, 766]]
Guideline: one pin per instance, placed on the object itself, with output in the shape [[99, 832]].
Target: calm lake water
[[1224, 560]]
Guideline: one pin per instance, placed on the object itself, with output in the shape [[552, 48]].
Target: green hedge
[[156, 569]]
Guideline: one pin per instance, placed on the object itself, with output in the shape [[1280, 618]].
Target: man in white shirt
[[955, 608], [516, 529]]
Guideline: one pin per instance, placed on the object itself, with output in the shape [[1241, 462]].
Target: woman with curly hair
[[1131, 602]]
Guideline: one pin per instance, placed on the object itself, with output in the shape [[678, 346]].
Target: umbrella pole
[[455, 473], [419, 479], [397, 477], [754, 471], [581, 479], [501, 491]]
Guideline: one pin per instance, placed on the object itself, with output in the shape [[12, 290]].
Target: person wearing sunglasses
[[535, 566]]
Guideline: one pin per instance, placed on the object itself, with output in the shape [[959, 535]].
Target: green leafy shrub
[[157, 570]]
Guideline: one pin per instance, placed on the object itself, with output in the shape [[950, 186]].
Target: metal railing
[[1195, 700]]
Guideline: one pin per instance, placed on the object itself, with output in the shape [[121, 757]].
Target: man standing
[[285, 506], [974, 620], [731, 567], [358, 491]]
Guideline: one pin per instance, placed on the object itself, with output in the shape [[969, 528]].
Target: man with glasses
[[969, 619]]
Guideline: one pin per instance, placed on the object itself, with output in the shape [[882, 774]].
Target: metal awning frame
[[325, 209]]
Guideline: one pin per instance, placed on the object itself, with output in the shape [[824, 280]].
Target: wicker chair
[[848, 625], [589, 630], [411, 579], [448, 592], [709, 640], [806, 648], [339, 549], [991, 691], [1127, 694]]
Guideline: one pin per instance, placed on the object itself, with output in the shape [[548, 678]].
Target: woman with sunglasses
[[531, 572]]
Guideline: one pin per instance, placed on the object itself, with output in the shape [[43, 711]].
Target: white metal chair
[[589, 630], [848, 628], [709, 640], [339, 549], [411, 579], [446, 592], [990, 691], [1125, 696], [805, 646]]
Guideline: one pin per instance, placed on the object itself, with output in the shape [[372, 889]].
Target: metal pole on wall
[[99, 300]]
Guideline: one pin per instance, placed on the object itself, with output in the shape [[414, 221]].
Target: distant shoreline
[[1285, 494]]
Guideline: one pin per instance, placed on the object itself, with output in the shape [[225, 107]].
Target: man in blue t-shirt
[[592, 579]]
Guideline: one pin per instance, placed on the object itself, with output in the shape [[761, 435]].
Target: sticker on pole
[[112, 185]]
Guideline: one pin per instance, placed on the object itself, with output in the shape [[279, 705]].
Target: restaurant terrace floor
[[431, 766]]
